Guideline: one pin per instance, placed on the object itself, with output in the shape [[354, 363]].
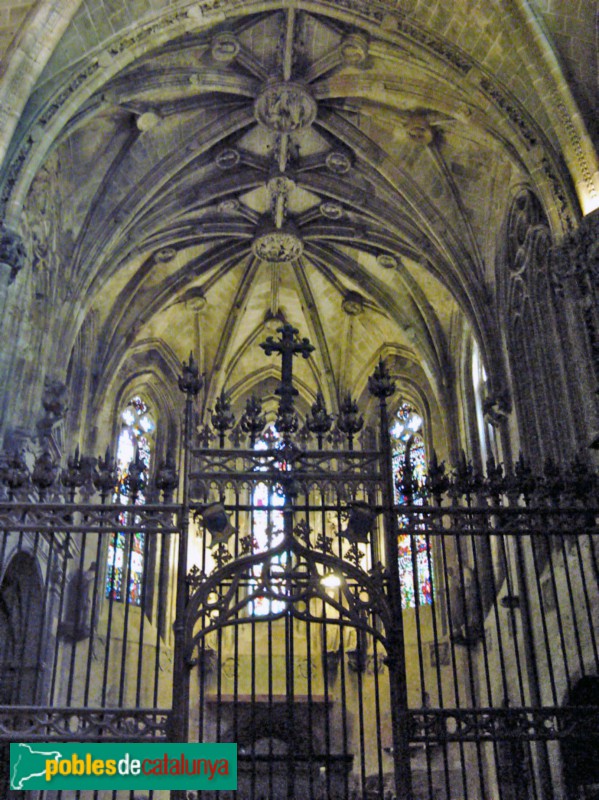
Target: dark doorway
[[581, 752], [21, 618]]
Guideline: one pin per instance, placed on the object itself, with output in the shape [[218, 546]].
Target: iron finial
[[380, 383], [190, 382]]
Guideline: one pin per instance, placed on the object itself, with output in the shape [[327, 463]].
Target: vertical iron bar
[[587, 601], [289, 661], [573, 604], [146, 577], [94, 613], [544, 615], [73, 660], [453, 658], [436, 599], [545, 788], [190, 383], [468, 634], [253, 708], [343, 693], [61, 599], [395, 636], [162, 579], [46, 616], [361, 650], [377, 707]]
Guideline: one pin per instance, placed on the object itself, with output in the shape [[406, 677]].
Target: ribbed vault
[[201, 178]]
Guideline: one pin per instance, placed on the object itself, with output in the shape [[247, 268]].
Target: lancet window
[[126, 553], [267, 532], [415, 558]]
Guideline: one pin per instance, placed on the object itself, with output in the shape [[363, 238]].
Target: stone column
[[576, 279]]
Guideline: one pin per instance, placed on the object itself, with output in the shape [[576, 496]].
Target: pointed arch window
[[267, 532], [486, 434], [415, 558], [127, 552]]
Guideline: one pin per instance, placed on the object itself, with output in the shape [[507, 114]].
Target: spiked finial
[[380, 383], [190, 382]]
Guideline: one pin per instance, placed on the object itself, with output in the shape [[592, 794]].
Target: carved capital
[[578, 254]]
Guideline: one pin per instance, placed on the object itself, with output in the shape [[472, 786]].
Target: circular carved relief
[[386, 260], [354, 50], [228, 206], [198, 304], [353, 304], [419, 130], [338, 162], [285, 107], [147, 121], [331, 210], [225, 47], [278, 246], [227, 159], [280, 185], [165, 254]]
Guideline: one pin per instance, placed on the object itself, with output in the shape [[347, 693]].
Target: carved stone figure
[[285, 107], [278, 246], [12, 251], [53, 404]]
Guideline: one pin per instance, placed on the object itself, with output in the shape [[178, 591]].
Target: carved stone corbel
[[13, 254], [497, 407]]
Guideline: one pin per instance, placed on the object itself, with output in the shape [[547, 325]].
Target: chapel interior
[[312, 286]]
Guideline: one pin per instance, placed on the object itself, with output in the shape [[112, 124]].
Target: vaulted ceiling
[[190, 178]]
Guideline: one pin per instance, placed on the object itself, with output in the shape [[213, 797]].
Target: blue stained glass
[[267, 532], [415, 558], [126, 552]]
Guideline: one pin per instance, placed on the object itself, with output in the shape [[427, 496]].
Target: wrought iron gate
[[291, 642], [289, 634]]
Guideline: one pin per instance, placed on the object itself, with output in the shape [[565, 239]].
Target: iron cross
[[287, 347]]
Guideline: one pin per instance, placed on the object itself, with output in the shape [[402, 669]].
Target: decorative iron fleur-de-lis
[[580, 483], [107, 475], [253, 421], [380, 383], [319, 421], [72, 478], [521, 481], [223, 418], [494, 483], [552, 484], [190, 381], [466, 481], [287, 421], [135, 480], [350, 421], [437, 481], [13, 473], [44, 473]]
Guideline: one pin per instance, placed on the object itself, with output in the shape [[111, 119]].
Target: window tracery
[[126, 554], [415, 558], [267, 532]]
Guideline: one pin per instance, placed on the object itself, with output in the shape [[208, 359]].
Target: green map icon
[[29, 763]]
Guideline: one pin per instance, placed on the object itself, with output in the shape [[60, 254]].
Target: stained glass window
[[126, 553], [415, 565], [267, 532]]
